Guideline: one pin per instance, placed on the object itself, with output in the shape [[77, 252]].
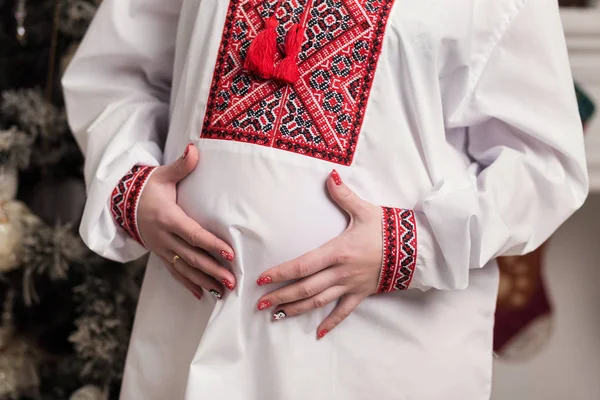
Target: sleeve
[[527, 173], [125, 198], [117, 90]]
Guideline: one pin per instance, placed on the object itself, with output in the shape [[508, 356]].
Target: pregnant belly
[[269, 211]]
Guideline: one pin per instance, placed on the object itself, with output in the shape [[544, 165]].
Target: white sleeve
[[117, 91], [525, 140]]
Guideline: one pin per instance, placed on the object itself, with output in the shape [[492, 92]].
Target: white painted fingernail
[[279, 315]]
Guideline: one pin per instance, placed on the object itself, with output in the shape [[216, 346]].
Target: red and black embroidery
[[125, 197], [399, 249], [321, 114]]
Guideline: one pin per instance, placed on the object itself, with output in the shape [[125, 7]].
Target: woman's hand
[[346, 268], [182, 244]]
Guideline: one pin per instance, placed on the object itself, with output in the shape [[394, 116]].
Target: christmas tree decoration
[[524, 318], [8, 183], [52, 147], [76, 15], [524, 312], [28, 109], [67, 312], [89, 392], [15, 150], [49, 251], [10, 241], [20, 15], [587, 108]]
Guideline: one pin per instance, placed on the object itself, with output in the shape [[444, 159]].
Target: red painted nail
[[265, 280], [264, 304], [227, 255], [322, 333], [336, 177], [186, 151], [196, 295], [227, 284]]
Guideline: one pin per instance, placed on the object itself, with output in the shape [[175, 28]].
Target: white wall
[[582, 30], [568, 368]]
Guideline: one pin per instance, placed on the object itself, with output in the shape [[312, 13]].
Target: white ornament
[[8, 183], [88, 392], [10, 241], [279, 315]]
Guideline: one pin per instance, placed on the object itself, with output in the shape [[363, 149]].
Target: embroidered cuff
[[125, 198], [399, 249]]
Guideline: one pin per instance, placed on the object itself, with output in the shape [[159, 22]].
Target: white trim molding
[[582, 31]]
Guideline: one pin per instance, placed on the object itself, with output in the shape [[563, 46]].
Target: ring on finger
[[175, 258]]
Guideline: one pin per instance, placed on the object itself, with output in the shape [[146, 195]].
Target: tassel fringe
[[287, 70], [260, 59]]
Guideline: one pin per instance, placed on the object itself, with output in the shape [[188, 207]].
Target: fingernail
[[336, 177], [322, 333], [277, 315], [216, 294], [186, 151], [227, 255], [196, 295], [265, 280], [264, 304], [227, 284]]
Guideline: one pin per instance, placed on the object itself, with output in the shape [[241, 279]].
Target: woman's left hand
[[346, 268]]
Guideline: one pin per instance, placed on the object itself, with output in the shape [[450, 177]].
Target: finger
[[189, 285], [303, 266], [200, 260], [183, 166], [318, 301], [347, 304], [343, 196], [303, 289], [197, 277], [190, 231]]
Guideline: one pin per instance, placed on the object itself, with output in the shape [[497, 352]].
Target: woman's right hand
[[183, 245]]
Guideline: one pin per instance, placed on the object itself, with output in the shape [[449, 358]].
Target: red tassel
[[260, 59], [287, 69]]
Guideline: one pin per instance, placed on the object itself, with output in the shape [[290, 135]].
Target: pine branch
[[76, 16], [49, 252], [15, 148]]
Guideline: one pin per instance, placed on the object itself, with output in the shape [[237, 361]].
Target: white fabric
[[472, 121]]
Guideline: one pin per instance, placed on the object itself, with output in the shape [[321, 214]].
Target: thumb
[[343, 196], [184, 165]]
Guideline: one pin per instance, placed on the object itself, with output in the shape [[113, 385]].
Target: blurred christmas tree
[[66, 313]]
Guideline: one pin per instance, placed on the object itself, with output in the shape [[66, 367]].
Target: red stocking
[[524, 313]]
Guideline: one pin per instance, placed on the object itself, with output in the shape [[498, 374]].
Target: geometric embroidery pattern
[[399, 249], [125, 198], [321, 114]]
